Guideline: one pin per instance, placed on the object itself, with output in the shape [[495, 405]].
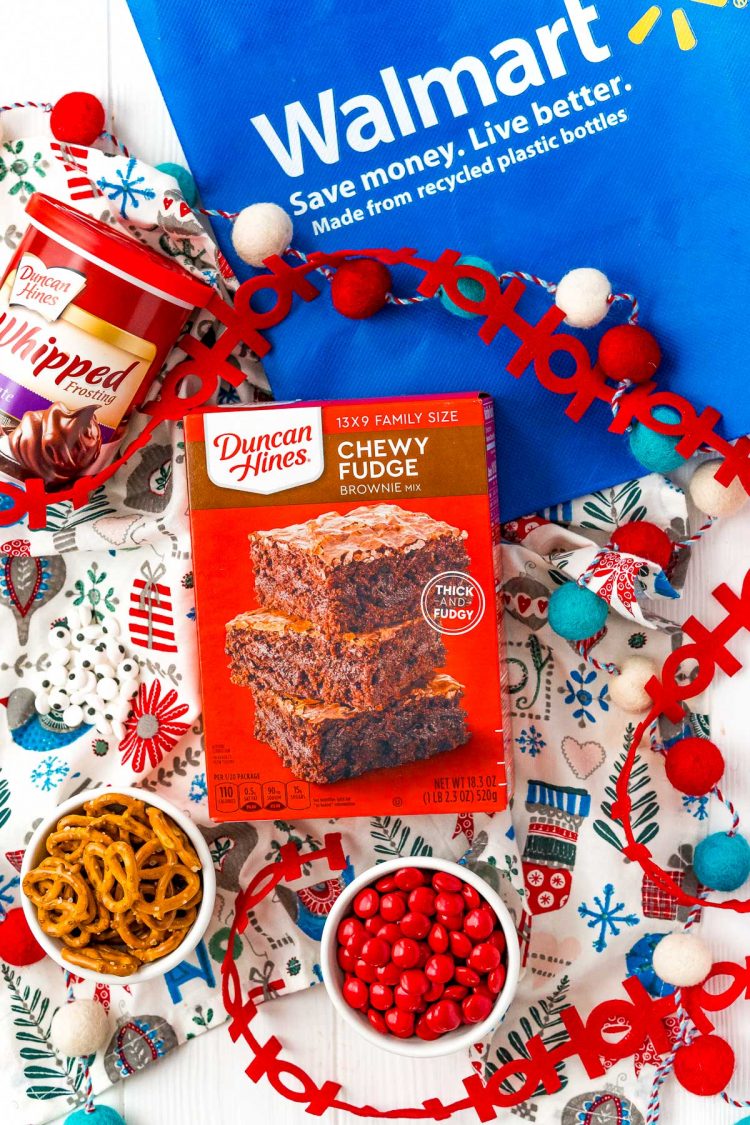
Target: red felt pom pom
[[18, 946], [629, 352], [694, 766], [77, 118], [645, 540], [705, 1067], [360, 287]]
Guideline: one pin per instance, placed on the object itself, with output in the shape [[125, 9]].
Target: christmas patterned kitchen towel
[[124, 560]]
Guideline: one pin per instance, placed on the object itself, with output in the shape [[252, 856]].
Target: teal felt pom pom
[[722, 862], [185, 181], [656, 452], [576, 613], [472, 290], [100, 1115]]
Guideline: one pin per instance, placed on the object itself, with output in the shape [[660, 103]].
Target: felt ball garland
[[705, 1066], [722, 861], [468, 286], [259, 231], [79, 1028], [645, 540], [682, 960], [628, 690], [18, 946], [575, 612], [657, 452], [77, 118], [360, 288], [694, 766], [629, 353], [97, 1115]]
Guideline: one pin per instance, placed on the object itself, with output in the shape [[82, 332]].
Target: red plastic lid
[[116, 252]]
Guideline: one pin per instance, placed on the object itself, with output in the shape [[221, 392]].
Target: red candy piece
[[645, 540], [629, 352], [451, 921], [424, 1031], [440, 968], [479, 924], [498, 939], [366, 903], [355, 943], [444, 1016], [447, 902], [356, 993], [377, 1021], [389, 932], [444, 881], [407, 878], [77, 118], [438, 939], [422, 900], [415, 925], [415, 982], [694, 766], [359, 288], [387, 883], [466, 976], [348, 928], [400, 1023], [705, 1067], [375, 924], [366, 972], [455, 992], [476, 1007], [471, 896], [405, 953], [434, 992], [496, 979], [393, 906], [484, 957], [460, 945], [406, 1001], [376, 951], [381, 996], [347, 961], [389, 974]]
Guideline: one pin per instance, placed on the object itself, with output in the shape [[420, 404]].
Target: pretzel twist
[[119, 886]]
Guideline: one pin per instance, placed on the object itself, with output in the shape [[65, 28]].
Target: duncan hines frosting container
[[87, 317]]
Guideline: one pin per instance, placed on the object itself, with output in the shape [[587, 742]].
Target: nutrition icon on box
[[348, 632]]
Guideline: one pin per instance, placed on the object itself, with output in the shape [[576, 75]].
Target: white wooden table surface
[[49, 48]]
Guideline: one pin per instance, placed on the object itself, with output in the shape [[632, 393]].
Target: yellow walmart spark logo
[[686, 37]]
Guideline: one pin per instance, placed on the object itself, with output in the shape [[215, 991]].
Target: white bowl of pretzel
[[118, 885]]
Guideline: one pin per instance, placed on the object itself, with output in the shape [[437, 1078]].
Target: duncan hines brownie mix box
[[347, 580]]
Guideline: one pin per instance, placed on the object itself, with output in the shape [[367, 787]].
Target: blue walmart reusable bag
[[612, 134]]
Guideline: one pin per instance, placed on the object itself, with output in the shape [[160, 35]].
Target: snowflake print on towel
[[198, 788], [531, 742], [127, 190], [607, 916], [7, 895], [583, 694], [696, 806], [50, 773], [152, 728]]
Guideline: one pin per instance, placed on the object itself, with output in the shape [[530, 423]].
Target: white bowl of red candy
[[420, 956]]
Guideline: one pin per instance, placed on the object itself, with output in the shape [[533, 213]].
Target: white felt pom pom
[[79, 1028], [260, 230], [682, 960], [583, 295], [712, 498], [628, 690]]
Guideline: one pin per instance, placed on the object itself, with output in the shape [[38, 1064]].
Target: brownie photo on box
[[354, 573], [325, 742], [274, 652], [341, 663]]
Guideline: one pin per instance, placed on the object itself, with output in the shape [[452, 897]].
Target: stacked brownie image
[[342, 665]]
